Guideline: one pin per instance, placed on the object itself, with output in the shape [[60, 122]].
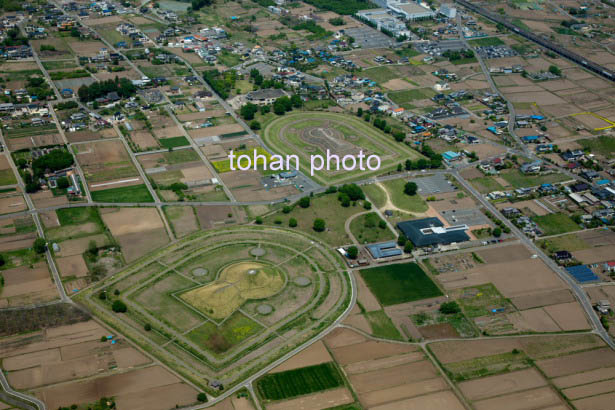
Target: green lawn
[[602, 145], [519, 180], [406, 96], [297, 382], [174, 142], [405, 202], [462, 61], [7, 177], [401, 283], [365, 229], [134, 193], [554, 224], [375, 194], [569, 243], [382, 325], [486, 41]]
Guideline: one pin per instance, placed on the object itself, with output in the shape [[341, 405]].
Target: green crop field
[[486, 184], [380, 74], [174, 142], [519, 180], [134, 193], [297, 382], [181, 156], [554, 224], [394, 284], [310, 133], [74, 216], [7, 177], [406, 96], [603, 145], [382, 325]]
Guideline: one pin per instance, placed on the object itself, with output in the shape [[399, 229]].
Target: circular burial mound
[[257, 252], [200, 272], [302, 281], [264, 309]]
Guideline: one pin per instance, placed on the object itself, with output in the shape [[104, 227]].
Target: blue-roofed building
[[494, 130], [530, 138], [384, 250], [582, 274], [537, 117], [603, 182], [451, 156]]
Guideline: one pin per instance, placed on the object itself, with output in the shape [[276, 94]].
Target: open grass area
[[174, 142], [603, 145], [380, 74], [382, 325], [326, 207], [486, 41], [479, 300], [180, 156], [487, 365], [7, 177], [74, 216], [225, 165], [133, 194], [21, 257], [31, 131], [406, 96], [58, 65], [375, 194], [366, 229], [519, 180], [297, 382], [486, 184], [401, 283], [221, 338], [404, 202], [554, 224], [569, 243]]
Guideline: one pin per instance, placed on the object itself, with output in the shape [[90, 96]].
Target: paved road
[[21, 400]]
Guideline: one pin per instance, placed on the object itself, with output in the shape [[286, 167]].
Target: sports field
[[311, 133]]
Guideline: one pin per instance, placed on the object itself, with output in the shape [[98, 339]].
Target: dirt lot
[[72, 266], [595, 255], [87, 135], [104, 160], [315, 354], [366, 298]]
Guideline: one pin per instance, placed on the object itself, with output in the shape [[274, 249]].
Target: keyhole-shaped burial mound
[[236, 284]]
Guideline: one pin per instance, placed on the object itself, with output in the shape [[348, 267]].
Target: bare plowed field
[[527, 400], [486, 387], [576, 363], [435, 401]]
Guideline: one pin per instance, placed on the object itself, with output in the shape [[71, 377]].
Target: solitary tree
[[304, 202], [410, 188], [408, 247], [119, 307], [292, 222], [319, 225], [352, 252], [202, 397], [40, 245], [449, 308], [497, 232]]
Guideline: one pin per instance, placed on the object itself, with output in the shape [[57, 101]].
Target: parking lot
[[470, 217], [500, 51], [436, 48], [434, 184], [367, 37]]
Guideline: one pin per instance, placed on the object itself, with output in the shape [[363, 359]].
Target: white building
[[383, 19], [410, 10], [448, 10]]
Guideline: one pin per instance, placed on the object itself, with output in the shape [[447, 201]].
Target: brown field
[[435, 401], [25, 285], [210, 216], [104, 160], [578, 362], [383, 363], [44, 199], [365, 296], [404, 391], [15, 242], [591, 376], [595, 255], [315, 354], [369, 350], [591, 389], [194, 116], [543, 299], [72, 266], [527, 400], [393, 376], [87, 135], [14, 203], [78, 246], [316, 401], [569, 316], [85, 48], [486, 387], [601, 402], [138, 230], [536, 320], [103, 20], [144, 139]]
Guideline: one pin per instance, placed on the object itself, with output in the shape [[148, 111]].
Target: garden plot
[[13, 202]]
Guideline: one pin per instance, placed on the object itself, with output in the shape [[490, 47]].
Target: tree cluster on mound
[[123, 86]]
